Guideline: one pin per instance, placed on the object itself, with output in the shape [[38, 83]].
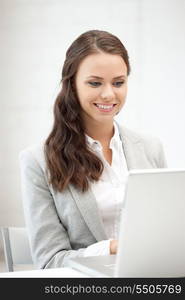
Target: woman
[[73, 185]]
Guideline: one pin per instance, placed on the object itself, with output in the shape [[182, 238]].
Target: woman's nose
[[107, 93]]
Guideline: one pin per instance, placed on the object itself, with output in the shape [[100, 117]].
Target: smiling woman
[[73, 185], [85, 106]]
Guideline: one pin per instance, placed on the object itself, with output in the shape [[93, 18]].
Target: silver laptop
[[152, 229]]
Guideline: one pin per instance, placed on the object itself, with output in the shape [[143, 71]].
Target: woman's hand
[[113, 246]]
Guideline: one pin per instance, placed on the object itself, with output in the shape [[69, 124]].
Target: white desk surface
[[50, 273]]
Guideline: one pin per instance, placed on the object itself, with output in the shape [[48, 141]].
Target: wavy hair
[[68, 158]]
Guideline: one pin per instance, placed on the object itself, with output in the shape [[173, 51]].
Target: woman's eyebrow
[[97, 77]]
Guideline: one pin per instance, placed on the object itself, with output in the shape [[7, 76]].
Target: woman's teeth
[[104, 106]]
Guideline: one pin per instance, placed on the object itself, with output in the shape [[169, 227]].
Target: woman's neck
[[101, 132]]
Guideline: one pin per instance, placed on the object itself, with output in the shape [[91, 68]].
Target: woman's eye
[[94, 83], [119, 83]]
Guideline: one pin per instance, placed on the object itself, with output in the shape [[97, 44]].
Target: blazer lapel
[[130, 152], [133, 149], [87, 205]]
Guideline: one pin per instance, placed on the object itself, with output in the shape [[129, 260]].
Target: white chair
[[16, 248]]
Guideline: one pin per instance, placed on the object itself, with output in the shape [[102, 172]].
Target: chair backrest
[[16, 247]]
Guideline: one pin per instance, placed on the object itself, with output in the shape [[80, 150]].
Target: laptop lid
[[152, 231]]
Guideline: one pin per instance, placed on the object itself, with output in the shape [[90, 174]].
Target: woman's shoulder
[[151, 144], [33, 154], [136, 136]]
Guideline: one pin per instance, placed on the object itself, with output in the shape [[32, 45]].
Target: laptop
[[151, 239]]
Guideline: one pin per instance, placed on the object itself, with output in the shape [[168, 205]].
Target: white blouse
[[109, 191]]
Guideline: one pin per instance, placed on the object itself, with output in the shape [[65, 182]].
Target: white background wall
[[34, 36]]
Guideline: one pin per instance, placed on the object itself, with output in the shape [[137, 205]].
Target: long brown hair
[[68, 158]]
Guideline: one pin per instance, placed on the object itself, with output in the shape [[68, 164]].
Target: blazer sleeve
[[154, 151], [159, 154], [49, 241]]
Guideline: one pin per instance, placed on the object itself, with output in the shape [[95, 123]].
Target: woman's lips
[[105, 107]]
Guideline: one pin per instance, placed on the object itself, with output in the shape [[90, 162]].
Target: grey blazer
[[61, 225]]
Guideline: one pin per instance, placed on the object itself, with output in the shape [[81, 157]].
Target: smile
[[105, 107]]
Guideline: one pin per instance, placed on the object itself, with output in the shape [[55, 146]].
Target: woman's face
[[101, 86]]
